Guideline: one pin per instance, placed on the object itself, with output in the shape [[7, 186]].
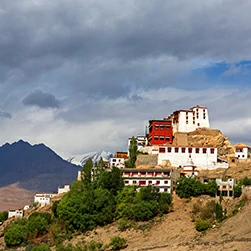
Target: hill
[[34, 167]]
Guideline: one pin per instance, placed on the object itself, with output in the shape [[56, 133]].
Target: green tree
[[87, 172], [237, 190], [133, 151], [3, 216], [187, 187], [211, 188], [42, 247]]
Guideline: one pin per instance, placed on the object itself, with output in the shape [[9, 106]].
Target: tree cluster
[[190, 187], [238, 187]]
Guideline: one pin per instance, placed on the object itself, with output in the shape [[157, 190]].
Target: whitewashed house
[[43, 198], [189, 120], [160, 178], [19, 213], [242, 151], [64, 189], [117, 162]]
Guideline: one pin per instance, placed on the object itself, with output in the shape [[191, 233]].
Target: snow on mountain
[[95, 156]]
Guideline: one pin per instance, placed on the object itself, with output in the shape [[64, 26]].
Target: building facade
[[160, 132], [19, 213], [225, 188], [43, 198], [117, 162], [64, 189], [202, 157], [189, 120], [160, 178], [242, 151]]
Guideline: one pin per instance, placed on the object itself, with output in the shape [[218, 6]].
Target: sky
[[84, 75]]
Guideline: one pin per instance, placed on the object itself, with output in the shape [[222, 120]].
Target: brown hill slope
[[205, 137], [14, 197]]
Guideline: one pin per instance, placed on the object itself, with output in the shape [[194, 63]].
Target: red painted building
[[160, 132]]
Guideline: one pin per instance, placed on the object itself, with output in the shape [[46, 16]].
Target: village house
[[43, 198], [19, 213], [189, 120], [117, 162], [163, 179], [242, 151], [160, 132], [64, 189], [225, 188]]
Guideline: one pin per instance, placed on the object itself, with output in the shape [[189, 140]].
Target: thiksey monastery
[[167, 159]]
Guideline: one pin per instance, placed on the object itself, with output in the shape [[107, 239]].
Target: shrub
[[15, 235], [43, 247], [202, 225], [117, 243], [124, 224]]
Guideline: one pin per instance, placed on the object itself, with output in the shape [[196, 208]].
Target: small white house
[[117, 162], [43, 198], [19, 213], [242, 151], [64, 189]]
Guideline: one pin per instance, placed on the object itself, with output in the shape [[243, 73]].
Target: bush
[[15, 235], [124, 224], [117, 243], [3, 216], [43, 247], [202, 225]]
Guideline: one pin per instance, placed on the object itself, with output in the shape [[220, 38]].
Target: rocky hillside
[[209, 138]]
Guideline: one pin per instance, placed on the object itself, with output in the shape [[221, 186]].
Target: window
[[113, 160], [165, 189], [169, 149], [166, 182], [183, 149], [198, 124], [134, 182], [162, 149], [204, 150], [156, 137], [157, 182], [142, 182], [197, 150], [167, 138], [212, 150], [161, 137], [167, 127], [150, 182], [176, 149], [156, 127], [162, 127], [166, 173], [126, 182], [190, 150], [243, 156]]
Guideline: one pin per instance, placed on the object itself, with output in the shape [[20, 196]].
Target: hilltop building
[[242, 151], [19, 213], [189, 120], [160, 132], [43, 198]]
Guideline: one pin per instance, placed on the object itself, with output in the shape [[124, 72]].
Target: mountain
[[95, 156], [34, 167]]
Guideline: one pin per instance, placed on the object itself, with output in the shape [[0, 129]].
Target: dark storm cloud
[[107, 52], [41, 99], [5, 115]]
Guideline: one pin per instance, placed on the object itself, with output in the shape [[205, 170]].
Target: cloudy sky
[[84, 75]]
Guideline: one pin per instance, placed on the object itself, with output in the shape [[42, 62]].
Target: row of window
[[154, 174], [239, 156], [185, 150], [156, 137], [162, 127], [143, 182]]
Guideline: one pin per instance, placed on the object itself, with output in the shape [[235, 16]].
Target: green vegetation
[[202, 225], [3, 216], [133, 152], [98, 199], [187, 187], [238, 187]]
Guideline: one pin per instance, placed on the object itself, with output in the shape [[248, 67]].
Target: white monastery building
[[242, 151], [43, 198], [160, 178], [189, 120], [202, 157]]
